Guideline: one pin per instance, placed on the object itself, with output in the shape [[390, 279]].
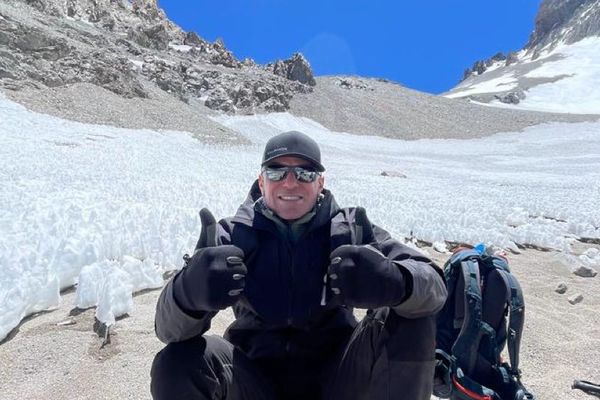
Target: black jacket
[[280, 314]]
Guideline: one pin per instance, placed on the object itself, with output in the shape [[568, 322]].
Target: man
[[294, 265]]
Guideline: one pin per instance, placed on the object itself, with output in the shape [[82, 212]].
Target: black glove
[[214, 277], [361, 276]]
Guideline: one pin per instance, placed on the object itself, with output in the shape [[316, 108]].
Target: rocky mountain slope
[[122, 46], [383, 108], [124, 63], [557, 70]]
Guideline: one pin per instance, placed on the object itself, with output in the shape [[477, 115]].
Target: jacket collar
[[247, 213]]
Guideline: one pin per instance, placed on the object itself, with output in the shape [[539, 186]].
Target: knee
[[186, 366], [410, 339]]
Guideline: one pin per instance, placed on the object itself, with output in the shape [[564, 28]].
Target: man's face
[[289, 198]]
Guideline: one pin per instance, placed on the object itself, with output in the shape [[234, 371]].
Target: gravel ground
[[58, 355], [381, 108], [91, 104]]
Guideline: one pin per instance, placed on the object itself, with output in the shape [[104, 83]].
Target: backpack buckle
[[442, 378]]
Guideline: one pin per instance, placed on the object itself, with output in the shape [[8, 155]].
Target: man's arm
[[382, 272], [212, 280], [424, 281], [172, 324]]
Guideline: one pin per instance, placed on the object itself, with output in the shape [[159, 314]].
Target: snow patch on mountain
[[565, 79], [502, 83], [577, 88]]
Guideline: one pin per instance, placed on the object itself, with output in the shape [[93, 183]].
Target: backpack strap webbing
[[342, 229], [350, 226], [516, 318], [466, 346]]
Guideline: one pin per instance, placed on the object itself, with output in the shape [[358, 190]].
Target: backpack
[[484, 312]]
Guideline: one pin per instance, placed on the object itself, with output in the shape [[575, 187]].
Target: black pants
[[387, 357]]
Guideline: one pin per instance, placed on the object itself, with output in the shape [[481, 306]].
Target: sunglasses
[[279, 173]]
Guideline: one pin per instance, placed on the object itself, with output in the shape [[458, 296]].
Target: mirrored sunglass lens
[[305, 175], [275, 174], [301, 174]]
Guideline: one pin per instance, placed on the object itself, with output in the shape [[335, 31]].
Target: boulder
[[561, 288], [353, 83], [192, 39], [512, 58], [511, 97], [576, 298], [479, 67], [393, 174], [155, 37], [295, 68], [585, 271]]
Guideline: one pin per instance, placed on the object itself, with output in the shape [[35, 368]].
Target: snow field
[[112, 209]]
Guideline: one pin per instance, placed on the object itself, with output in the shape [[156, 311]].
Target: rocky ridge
[[126, 47], [557, 21], [123, 63]]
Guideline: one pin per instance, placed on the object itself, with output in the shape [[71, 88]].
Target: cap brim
[[315, 163]]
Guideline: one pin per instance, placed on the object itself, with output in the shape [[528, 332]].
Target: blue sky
[[422, 44]]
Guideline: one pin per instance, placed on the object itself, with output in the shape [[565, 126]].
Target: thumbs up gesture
[[361, 276], [214, 277]]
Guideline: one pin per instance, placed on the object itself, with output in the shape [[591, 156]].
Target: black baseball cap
[[293, 143]]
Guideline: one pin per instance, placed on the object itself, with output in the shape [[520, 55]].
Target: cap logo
[[277, 150]]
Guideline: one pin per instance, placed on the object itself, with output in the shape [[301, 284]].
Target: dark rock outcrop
[[567, 21], [295, 68], [513, 97], [123, 46], [557, 21], [480, 66]]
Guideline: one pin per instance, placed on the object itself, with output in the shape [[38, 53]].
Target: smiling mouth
[[290, 198]]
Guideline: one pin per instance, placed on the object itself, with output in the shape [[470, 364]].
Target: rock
[[219, 44], [225, 58], [192, 39], [299, 70], [219, 100], [394, 174], [154, 37], [576, 298], [33, 40], [45, 7], [498, 57], [5, 38], [479, 67], [275, 104], [242, 96], [66, 322], [440, 247], [565, 21], [6, 72], [249, 62], [511, 97], [353, 83], [512, 58], [561, 288], [296, 68], [466, 73], [585, 271], [592, 253]]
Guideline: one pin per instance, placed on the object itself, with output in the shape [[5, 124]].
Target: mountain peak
[[564, 21], [556, 71]]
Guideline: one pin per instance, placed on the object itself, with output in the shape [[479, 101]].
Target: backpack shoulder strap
[[516, 313], [343, 230], [466, 345]]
